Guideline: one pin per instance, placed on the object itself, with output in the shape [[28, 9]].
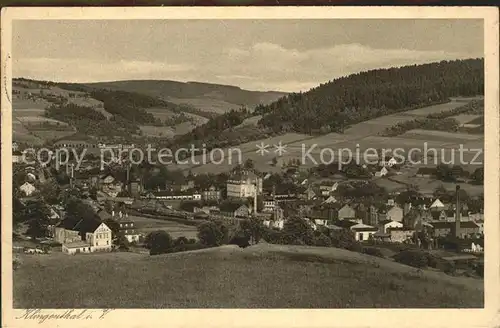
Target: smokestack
[[457, 213], [255, 201]]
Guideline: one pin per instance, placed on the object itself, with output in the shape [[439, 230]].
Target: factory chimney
[[457, 213], [255, 201]]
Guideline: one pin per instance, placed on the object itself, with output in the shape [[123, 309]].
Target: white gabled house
[[27, 188], [437, 204]]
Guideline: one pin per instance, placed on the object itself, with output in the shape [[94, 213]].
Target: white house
[[27, 188], [389, 224], [437, 204], [362, 231], [84, 237], [383, 172]]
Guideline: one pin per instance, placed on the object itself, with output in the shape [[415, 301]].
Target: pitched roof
[[451, 225], [75, 137], [88, 225], [426, 170], [230, 207], [345, 223]]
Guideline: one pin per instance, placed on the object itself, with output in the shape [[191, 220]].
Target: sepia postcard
[[248, 167]]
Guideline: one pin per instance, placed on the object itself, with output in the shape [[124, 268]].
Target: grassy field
[[261, 276], [146, 225]]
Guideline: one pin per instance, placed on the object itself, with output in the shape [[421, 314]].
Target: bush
[[414, 258], [186, 247], [355, 247], [181, 241], [373, 251], [241, 240], [342, 239], [449, 268], [322, 240], [479, 269]]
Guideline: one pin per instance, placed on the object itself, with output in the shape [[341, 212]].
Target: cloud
[[258, 66]]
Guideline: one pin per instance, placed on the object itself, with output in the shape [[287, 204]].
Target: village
[[122, 194]]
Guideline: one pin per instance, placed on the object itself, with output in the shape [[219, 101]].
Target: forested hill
[[333, 106], [207, 97]]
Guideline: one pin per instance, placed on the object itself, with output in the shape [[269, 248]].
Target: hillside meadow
[[260, 276]]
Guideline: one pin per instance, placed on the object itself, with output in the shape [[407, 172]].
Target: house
[[27, 188], [401, 234], [395, 213], [128, 230], [235, 210], [206, 209], [278, 213], [211, 194], [276, 224], [363, 232], [389, 224], [78, 141], [437, 204], [391, 162], [426, 172], [327, 188], [269, 204], [346, 212], [135, 188], [243, 185], [311, 193], [86, 236], [17, 156], [382, 173], [320, 222], [467, 228], [438, 215], [330, 200]]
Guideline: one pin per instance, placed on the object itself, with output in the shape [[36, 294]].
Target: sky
[[280, 55]]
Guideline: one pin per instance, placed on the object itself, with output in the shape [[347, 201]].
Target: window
[[126, 231], [361, 236], [89, 249]]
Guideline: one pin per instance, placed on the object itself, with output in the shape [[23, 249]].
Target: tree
[[158, 242], [123, 243], [50, 192], [213, 233], [298, 230], [342, 238], [253, 229], [36, 215], [478, 175], [322, 240], [440, 192], [249, 164]]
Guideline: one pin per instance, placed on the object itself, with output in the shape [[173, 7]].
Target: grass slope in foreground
[[261, 276]]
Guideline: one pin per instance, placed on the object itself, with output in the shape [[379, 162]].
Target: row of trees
[[445, 124]]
